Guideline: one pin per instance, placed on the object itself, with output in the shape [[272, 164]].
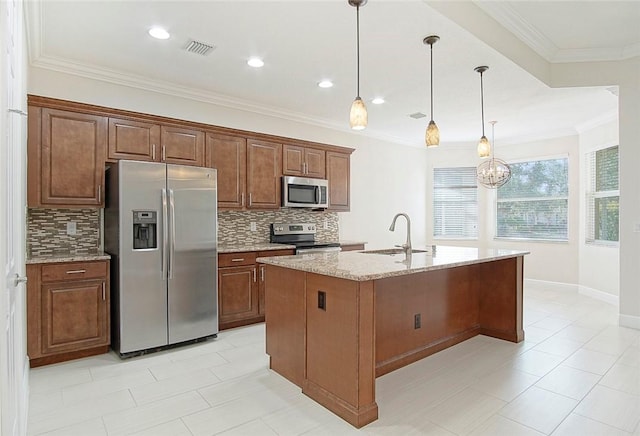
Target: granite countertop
[[68, 257], [256, 246], [348, 242], [359, 266]]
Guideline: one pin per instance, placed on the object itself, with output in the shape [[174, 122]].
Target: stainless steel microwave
[[305, 192]]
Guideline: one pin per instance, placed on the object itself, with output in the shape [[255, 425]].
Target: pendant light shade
[[358, 117], [493, 173], [432, 135], [484, 147]]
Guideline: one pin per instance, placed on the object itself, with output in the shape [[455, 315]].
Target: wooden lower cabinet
[[241, 286], [67, 311]]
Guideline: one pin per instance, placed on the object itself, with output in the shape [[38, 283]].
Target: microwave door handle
[[317, 194]]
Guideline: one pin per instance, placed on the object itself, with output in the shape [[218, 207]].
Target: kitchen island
[[336, 321]]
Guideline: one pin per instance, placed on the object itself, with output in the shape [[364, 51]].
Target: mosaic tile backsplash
[[47, 232], [47, 228], [234, 227]]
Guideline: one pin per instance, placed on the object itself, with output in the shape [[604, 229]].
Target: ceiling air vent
[[198, 47], [417, 115]]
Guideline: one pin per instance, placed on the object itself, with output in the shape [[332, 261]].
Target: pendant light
[[493, 173], [358, 116], [432, 135], [484, 148]]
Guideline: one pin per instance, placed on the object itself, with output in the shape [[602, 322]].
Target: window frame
[[472, 170], [591, 194], [568, 199]]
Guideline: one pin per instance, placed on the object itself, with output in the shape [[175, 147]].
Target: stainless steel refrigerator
[[160, 229]]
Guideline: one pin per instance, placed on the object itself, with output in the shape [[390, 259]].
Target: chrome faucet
[[406, 246]]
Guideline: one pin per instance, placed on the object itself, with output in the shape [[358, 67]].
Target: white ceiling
[[304, 41]]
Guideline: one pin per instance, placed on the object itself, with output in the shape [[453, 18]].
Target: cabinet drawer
[[236, 259], [74, 271], [271, 253]]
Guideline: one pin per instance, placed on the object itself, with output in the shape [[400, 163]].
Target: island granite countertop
[[360, 266]]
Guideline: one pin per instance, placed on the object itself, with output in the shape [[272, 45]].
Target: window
[[534, 204], [603, 196], [455, 203]]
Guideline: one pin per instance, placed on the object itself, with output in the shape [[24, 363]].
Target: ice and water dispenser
[[145, 227]]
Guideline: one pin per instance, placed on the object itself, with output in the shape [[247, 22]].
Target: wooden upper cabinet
[[136, 140], [303, 161], [228, 155], [338, 174], [264, 169], [183, 146], [69, 149]]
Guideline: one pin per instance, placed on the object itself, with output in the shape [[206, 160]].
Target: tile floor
[[577, 373]]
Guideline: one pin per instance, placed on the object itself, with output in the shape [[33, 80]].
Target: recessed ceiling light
[[159, 33], [377, 100], [325, 84], [255, 62]]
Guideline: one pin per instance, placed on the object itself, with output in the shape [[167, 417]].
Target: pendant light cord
[[431, 81], [358, 46], [482, 101]]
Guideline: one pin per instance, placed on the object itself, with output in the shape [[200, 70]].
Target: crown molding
[[504, 14]]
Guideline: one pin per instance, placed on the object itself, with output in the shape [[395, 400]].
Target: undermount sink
[[391, 251]]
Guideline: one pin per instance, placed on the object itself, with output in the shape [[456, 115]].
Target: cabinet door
[[228, 155], [292, 160], [338, 174], [137, 140], [74, 315], [264, 169], [73, 150], [237, 293], [315, 162], [261, 290], [182, 146]]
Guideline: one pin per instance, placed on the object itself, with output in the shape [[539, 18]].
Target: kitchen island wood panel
[[355, 325]]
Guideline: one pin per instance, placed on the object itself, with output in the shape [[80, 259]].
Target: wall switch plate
[[253, 226], [636, 228], [71, 228]]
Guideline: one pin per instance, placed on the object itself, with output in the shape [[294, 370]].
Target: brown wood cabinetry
[[303, 161], [228, 155], [182, 146], [241, 287], [338, 174], [66, 153], [135, 140], [264, 169], [67, 311]]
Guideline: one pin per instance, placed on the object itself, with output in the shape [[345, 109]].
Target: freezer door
[[141, 287], [193, 262]]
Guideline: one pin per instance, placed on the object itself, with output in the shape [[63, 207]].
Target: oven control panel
[[293, 229]]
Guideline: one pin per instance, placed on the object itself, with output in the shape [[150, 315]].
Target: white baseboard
[[629, 321], [600, 295], [550, 286], [569, 287]]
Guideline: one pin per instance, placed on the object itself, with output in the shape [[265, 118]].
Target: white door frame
[[14, 370]]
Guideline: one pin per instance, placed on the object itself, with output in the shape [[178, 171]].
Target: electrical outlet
[[71, 228], [325, 225], [253, 226], [417, 323]]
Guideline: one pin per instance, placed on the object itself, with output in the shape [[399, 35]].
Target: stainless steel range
[[302, 235]]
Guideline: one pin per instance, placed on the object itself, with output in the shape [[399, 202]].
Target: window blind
[[534, 204], [455, 203], [602, 196]]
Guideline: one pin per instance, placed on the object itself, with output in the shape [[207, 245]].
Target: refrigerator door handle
[[172, 238], [165, 234]]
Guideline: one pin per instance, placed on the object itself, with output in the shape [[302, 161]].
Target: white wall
[[599, 266], [548, 261], [386, 178]]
